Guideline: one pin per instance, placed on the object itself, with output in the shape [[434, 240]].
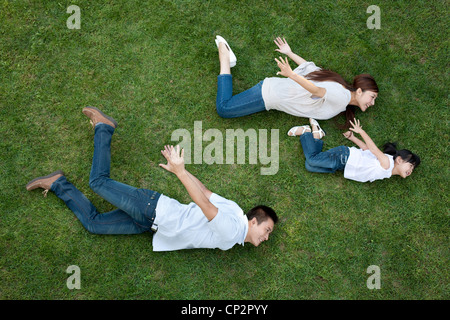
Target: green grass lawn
[[153, 66]]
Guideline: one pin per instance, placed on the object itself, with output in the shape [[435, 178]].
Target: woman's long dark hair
[[405, 154], [364, 81]]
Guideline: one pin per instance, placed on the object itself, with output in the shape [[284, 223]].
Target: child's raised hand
[[348, 135], [356, 126]]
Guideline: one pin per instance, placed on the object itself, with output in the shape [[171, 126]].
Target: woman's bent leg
[[245, 103]]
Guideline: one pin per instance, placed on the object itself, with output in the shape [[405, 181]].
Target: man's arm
[[175, 164], [202, 187]]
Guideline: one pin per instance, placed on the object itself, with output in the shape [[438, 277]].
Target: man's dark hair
[[262, 213]]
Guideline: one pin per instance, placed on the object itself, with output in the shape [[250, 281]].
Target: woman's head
[[404, 160], [364, 88], [366, 91]]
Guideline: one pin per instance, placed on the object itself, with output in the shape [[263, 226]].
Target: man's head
[[261, 220]]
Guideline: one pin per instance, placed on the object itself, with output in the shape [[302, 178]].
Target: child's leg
[[245, 103], [310, 146], [312, 168], [114, 222], [139, 204], [317, 161]]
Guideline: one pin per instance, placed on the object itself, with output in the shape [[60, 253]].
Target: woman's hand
[[175, 160], [285, 68], [283, 46]]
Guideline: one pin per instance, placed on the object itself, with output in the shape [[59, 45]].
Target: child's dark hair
[[406, 155], [262, 213]]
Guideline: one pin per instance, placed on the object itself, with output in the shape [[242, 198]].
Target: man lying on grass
[[211, 221]]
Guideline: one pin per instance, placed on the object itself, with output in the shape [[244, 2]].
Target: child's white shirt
[[363, 166]]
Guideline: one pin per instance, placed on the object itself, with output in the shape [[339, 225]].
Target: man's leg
[[114, 222], [139, 204]]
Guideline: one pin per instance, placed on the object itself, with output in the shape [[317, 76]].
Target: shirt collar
[[245, 231]]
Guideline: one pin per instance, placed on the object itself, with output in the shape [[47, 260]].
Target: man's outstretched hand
[[175, 159]]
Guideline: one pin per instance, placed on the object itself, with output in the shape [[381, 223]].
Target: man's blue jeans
[[242, 104], [325, 162], [136, 207]]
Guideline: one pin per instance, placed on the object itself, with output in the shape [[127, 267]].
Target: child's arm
[[350, 136], [382, 158]]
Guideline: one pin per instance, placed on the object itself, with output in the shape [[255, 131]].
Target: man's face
[[260, 232]]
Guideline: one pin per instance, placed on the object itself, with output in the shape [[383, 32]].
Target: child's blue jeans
[[322, 161]]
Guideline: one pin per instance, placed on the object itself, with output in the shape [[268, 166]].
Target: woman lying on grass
[[307, 91], [365, 164]]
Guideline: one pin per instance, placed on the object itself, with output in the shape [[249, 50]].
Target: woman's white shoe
[[233, 59]]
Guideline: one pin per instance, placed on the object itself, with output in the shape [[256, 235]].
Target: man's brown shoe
[[44, 182], [97, 116]]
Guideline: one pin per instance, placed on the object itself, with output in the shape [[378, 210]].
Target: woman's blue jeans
[[136, 207], [322, 161], [242, 104]]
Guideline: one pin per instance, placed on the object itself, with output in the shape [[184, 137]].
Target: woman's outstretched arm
[[284, 48], [286, 70]]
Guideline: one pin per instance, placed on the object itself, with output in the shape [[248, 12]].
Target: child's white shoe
[[292, 131], [320, 131]]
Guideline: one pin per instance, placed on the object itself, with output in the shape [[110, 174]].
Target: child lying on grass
[[368, 163]]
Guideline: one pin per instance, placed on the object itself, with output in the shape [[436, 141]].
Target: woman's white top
[[363, 166], [286, 95], [184, 226]]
